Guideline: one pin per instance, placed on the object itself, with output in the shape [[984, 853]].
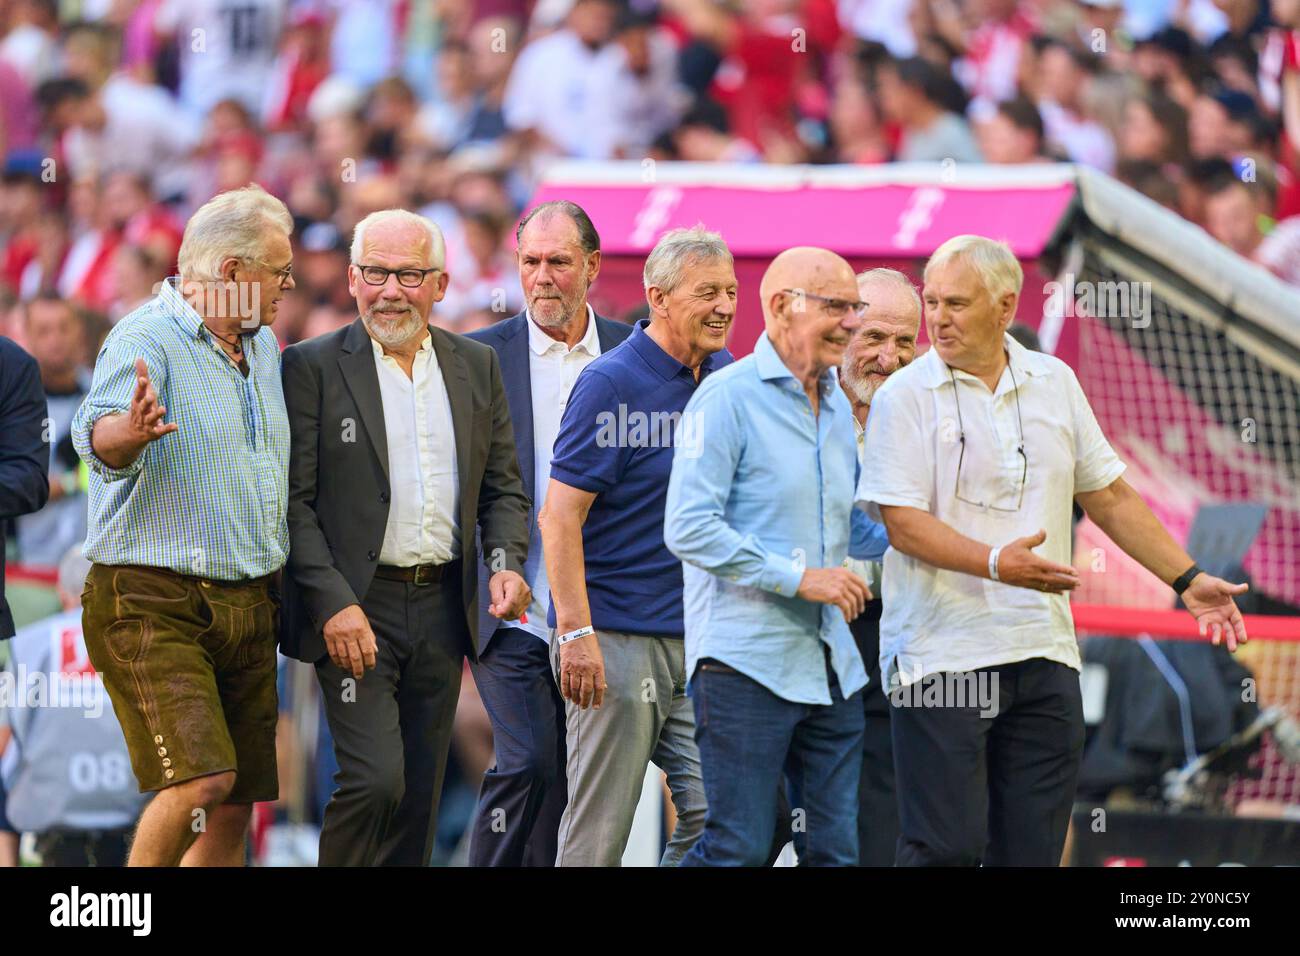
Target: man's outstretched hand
[[1210, 601]]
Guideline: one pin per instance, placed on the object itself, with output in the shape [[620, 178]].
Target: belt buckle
[[424, 574]]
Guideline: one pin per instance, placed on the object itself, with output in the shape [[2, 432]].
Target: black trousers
[[517, 821], [993, 790], [877, 799], [393, 727]]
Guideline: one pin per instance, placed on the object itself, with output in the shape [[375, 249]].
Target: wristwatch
[[1184, 580]]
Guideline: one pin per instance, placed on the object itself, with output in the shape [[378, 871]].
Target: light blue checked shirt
[[765, 493], [210, 498]]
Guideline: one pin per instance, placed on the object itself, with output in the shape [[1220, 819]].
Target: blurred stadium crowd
[[119, 118]]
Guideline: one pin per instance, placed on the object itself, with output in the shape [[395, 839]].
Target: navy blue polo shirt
[[616, 439]]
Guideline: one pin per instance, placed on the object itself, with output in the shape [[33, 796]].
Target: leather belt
[[417, 574]]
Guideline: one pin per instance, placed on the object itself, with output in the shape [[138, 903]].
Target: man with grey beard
[[542, 351], [882, 344], [394, 464]]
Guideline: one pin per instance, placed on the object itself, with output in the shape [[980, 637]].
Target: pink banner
[[887, 220]]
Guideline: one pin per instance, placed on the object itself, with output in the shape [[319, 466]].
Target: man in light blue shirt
[[759, 512]]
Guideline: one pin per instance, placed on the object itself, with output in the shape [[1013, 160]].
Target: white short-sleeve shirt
[[936, 620]]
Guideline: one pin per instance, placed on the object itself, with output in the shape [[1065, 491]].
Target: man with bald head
[[394, 464], [883, 343], [760, 516]]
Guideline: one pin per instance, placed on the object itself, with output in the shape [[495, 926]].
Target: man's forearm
[[1120, 512], [566, 569], [921, 535], [114, 443]]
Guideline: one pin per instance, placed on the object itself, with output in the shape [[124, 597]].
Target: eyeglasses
[[835, 308], [281, 275], [378, 275], [961, 457]]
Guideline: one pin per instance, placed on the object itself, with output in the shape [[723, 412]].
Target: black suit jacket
[[510, 340], [338, 475], [24, 455]]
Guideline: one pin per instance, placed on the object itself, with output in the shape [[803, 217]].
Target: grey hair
[[893, 276], [678, 248], [998, 268], [437, 248], [230, 224]]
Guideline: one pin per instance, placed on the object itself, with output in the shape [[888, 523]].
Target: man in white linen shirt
[[990, 444]]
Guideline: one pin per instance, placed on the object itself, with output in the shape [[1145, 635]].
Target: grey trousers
[[646, 717]]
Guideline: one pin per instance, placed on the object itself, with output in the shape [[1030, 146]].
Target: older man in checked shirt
[[187, 529]]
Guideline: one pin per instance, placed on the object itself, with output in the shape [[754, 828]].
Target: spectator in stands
[[634, 95], [620, 662], [1063, 82], [549, 93], [910, 96], [1013, 134], [856, 133], [1237, 213], [1220, 124], [226, 51], [73, 736], [1154, 130], [704, 136], [55, 336], [991, 52], [969, 595]]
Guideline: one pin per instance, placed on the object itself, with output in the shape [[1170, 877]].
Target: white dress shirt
[[422, 524], [552, 369], [936, 620]]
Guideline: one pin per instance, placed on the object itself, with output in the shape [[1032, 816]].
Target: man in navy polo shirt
[[616, 590]]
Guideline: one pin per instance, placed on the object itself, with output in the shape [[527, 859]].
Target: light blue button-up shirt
[[210, 498], [765, 493]]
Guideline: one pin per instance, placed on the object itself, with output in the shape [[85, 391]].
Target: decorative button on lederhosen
[[157, 738], [169, 774]]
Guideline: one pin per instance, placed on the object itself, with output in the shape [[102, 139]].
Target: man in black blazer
[[24, 455], [401, 450], [542, 350]]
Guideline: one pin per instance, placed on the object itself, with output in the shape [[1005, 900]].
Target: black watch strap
[[1184, 580]]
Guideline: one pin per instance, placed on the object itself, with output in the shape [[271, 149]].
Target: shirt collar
[[541, 343], [186, 317], [1024, 364], [664, 364], [425, 345], [772, 368]]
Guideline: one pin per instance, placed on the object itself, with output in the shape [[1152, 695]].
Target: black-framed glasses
[[378, 275], [836, 308], [961, 455]]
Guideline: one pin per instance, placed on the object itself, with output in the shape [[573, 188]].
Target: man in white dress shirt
[[989, 445], [401, 449], [542, 351]]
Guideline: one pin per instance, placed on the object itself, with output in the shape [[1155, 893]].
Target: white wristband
[[993, 563], [574, 635]]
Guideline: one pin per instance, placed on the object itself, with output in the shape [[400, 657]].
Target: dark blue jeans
[[748, 737]]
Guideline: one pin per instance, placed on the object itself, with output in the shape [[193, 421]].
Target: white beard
[[394, 333], [862, 388]]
